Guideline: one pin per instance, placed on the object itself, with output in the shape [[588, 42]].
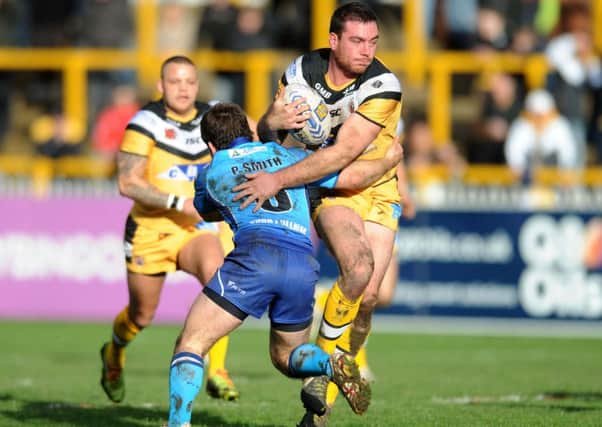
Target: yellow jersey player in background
[[160, 156], [364, 102]]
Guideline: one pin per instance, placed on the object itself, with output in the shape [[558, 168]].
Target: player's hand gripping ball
[[317, 126]]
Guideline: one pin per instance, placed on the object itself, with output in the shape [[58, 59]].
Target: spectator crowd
[[510, 125]]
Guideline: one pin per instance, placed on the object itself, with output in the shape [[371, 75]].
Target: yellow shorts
[[148, 251], [379, 204]]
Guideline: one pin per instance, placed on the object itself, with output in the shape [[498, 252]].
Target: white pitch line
[[469, 400], [474, 326]]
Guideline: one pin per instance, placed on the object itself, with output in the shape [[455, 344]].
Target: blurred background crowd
[[533, 99]]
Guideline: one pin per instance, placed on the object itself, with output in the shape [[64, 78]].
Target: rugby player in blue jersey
[[271, 268]]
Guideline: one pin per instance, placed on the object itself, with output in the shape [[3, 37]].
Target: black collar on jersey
[[239, 141], [158, 108], [314, 67]]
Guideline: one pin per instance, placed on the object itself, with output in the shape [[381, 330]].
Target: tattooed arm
[[132, 184]]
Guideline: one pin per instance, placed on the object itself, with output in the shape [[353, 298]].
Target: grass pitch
[[49, 374]]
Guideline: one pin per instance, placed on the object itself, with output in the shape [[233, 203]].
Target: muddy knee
[[356, 274]]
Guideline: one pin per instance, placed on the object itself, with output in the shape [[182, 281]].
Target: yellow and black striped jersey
[[174, 150], [375, 95]]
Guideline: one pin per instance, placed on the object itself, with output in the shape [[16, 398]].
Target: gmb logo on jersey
[[181, 172]]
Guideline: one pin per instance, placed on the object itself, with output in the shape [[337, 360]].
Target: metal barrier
[[414, 61], [42, 171]]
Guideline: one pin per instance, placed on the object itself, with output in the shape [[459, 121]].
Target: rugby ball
[[317, 126]]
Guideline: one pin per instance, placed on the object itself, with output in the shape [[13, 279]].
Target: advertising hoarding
[[61, 258], [510, 264]]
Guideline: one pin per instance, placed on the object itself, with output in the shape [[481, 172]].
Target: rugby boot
[[221, 386], [361, 359], [111, 379], [313, 420], [367, 374], [313, 394], [346, 375]]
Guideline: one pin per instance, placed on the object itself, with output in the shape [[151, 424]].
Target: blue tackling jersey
[[283, 219], [272, 265]]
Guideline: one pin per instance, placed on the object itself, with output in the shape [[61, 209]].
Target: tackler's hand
[[258, 188]]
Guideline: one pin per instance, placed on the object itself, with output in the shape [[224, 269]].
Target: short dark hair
[[176, 59], [354, 11], [223, 123]]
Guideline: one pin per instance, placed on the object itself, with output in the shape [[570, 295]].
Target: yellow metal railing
[[442, 66], [74, 64], [42, 169], [417, 64], [257, 67]]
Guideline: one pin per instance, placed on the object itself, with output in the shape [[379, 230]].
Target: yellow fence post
[[320, 13], [415, 41], [536, 68], [147, 17], [257, 83], [42, 172], [439, 103], [597, 24], [75, 92]]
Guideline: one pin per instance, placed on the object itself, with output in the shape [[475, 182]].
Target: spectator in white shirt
[[540, 136], [575, 71]]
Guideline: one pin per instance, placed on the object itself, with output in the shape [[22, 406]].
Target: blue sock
[[185, 381], [309, 360]]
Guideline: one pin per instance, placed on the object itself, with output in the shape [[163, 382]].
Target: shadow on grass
[[49, 413], [561, 401], [559, 395], [569, 409]]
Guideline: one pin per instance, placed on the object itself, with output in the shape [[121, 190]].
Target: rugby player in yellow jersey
[[364, 101], [160, 155], [386, 291]]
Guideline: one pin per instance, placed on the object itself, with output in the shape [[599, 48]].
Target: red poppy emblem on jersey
[[170, 133]]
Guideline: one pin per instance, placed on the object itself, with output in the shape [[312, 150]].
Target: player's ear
[[253, 128], [332, 40], [160, 86]]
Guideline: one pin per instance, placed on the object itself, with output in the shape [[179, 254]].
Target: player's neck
[[184, 117], [336, 76]]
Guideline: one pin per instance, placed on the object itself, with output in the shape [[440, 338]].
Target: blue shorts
[[259, 276]]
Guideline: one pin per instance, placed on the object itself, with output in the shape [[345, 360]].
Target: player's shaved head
[[176, 59]]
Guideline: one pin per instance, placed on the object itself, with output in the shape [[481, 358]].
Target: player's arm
[[408, 206], [354, 136], [361, 174], [132, 184], [132, 161]]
